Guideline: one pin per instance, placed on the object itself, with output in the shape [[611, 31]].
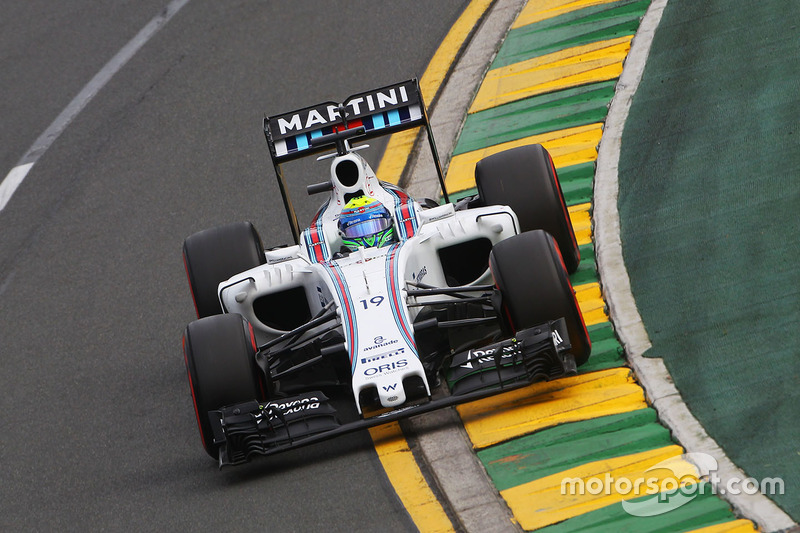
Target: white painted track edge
[[17, 175]]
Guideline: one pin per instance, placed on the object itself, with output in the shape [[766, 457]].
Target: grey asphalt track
[[98, 431]]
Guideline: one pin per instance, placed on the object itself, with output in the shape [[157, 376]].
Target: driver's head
[[364, 221]]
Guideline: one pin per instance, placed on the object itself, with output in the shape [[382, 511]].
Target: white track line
[[651, 372], [15, 178]]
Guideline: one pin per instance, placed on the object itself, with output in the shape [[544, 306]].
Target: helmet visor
[[365, 228]]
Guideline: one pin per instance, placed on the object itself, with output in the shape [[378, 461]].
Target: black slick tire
[[214, 255], [525, 179], [531, 275], [219, 352]]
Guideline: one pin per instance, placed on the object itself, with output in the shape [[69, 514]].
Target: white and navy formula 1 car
[[402, 306]]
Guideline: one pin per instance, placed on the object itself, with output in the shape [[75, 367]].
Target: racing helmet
[[365, 221]]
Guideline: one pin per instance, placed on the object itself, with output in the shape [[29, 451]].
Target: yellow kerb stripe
[[591, 302], [594, 62], [735, 526], [571, 146], [406, 478], [581, 222], [546, 9], [551, 499], [500, 418], [400, 144]]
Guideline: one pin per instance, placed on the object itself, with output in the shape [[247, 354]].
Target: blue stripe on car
[[394, 300]]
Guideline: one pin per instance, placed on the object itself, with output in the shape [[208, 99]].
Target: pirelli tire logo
[[382, 356]]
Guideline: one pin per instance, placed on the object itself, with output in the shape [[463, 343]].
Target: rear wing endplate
[[379, 112]]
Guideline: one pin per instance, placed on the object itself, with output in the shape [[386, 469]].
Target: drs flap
[[380, 111]]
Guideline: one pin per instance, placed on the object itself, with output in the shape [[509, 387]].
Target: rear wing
[[325, 126]]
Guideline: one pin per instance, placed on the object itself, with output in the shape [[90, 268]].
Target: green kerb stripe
[[563, 447], [576, 184], [706, 509], [577, 106], [606, 349], [597, 23], [587, 270]]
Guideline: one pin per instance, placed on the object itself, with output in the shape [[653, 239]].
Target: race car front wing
[[249, 429]]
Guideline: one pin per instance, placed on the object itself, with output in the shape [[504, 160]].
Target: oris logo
[[386, 368]]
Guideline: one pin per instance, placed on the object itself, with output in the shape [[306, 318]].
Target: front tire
[[531, 275], [216, 254], [219, 352], [525, 179]]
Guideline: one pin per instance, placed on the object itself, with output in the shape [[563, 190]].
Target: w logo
[[388, 388]]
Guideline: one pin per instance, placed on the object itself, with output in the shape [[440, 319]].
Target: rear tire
[[525, 179], [219, 352], [533, 280], [214, 255]]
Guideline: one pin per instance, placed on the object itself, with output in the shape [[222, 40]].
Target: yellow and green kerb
[[551, 83]]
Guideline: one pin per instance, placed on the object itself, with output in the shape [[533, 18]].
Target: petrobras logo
[[273, 260], [421, 274]]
